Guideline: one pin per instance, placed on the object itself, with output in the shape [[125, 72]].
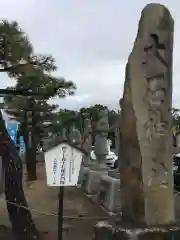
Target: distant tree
[[65, 118], [112, 117], [92, 112]]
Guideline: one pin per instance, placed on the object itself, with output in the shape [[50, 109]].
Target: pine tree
[[18, 60], [40, 111]]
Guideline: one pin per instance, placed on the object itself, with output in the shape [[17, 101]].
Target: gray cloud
[[91, 41]]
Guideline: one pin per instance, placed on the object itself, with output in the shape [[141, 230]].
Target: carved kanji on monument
[[146, 173]]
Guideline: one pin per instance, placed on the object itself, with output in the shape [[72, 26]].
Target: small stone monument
[[76, 139], [87, 146], [75, 136], [87, 140], [64, 136], [91, 179], [117, 139], [101, 134], [109, 189]]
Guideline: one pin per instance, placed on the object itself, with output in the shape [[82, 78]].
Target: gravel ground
[[43, 201]]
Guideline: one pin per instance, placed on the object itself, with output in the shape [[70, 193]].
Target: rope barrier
[[67, 217], [56, 215]]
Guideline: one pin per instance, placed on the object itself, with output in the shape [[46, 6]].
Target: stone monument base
[[106, 231], [92, 178], [109, 194], [114, 173]]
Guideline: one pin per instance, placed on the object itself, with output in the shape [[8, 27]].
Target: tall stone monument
[[146, 122], [146, 139]]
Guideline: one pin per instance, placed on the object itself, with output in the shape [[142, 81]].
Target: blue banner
[[12, 130], [21, 145]]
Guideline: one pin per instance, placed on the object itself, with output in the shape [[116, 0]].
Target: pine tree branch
[[19, 65]]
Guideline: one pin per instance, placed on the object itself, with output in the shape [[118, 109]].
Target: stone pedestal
[[106, 231], [114, 174], [92, 178], [109, 195]]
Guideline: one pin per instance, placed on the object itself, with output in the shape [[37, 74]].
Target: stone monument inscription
[[159, 121]]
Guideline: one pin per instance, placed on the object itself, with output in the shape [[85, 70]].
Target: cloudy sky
[[90, 40]]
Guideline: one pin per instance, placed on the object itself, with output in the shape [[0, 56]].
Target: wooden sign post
[[63, 163], [60, 213]]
